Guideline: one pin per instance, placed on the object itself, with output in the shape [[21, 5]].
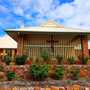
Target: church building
[[52, 37]]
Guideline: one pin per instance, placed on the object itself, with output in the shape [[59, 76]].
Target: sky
[[70, 13]]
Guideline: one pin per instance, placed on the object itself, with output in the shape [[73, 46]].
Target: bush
[[39, 72], [21, 60], [1, 68], [11, 75], [7, 59], [74, 73], [84, 60], [59, 72], [59, 58], [71, 60], [45, 55]]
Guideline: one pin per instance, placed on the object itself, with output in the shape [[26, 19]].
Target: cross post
[[52, 42]]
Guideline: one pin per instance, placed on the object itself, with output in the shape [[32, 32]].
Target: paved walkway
[[52, 85], [75, 87]]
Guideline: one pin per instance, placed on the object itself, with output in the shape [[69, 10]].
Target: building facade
[[52, 37]]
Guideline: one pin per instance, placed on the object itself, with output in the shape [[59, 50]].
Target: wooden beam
[[75, 38]]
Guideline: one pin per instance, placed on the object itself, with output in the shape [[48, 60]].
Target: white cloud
[[43, 5], [23, 3], [81, 18], [3, 9], [19, 11], [63, 11], [21, 6], [75, 14]]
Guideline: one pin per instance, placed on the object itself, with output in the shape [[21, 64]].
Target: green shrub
[[71, 60], [21, 60], [39, 72], [37, 60], [11, 75], [60, 59], [1, 68], [45, 55], [84, 60], [74, 73], [7, 59], [59, 72]]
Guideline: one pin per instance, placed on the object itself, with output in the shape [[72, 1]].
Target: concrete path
[[75, 87]]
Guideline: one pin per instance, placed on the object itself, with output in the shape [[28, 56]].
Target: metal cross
[[52, 42]]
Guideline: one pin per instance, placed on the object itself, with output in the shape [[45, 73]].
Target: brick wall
[[84, 40]]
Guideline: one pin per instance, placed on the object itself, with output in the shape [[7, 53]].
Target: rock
[[69, 88], [76, 87], [47, 88], [61, 88], [54, 88], [88, 62], [83, 72], [2, 76], [42, 88], [86, 88], [37, 88], [14, 88]]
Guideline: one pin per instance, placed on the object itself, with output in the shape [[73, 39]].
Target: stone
[[88, 62], [14, 88], [76, 87], [2, 76], [30, 88], [61, 88], [83, 72], [54, 88], [86, 88], [69, 88], [84, 43], [37, 88], [42, 88], [47, 88]]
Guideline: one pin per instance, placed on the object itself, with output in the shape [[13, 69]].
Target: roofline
[[7, 48], [49, 29]]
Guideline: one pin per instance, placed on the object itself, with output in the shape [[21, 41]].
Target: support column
[[13, 53], [4, 52], [20, 45], [84, 45]]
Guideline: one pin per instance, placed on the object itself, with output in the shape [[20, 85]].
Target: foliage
[[84, 60], [45, 55], [74, 73], [71, 60], [59, 72], [37, 60], [20, 60], [59, 58], [7, 59], [39, 72], [69, 82], [11, 75], [1, 68]]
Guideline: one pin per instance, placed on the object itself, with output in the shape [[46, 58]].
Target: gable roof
[[7, 42], [51, 23], [49, 26]]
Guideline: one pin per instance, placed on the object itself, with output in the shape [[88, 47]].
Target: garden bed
[[22, 72]]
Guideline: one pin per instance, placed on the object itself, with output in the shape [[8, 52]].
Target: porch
[[62, 44]]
